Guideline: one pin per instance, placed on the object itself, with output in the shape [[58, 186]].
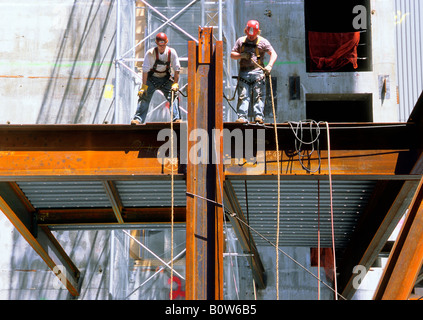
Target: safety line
[[172, 194], [331, 211], [209, 200], [278, 198], [233, 214], [279, 188], [278, 175], [318, 238]]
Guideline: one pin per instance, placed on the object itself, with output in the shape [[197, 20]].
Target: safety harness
[[159, 62], [257, 81], [259, 62], [252, 45], [163, 63]]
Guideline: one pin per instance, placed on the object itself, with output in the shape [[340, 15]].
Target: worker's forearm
[[273, 57], [176, 77], [235, 55], [144, 77]]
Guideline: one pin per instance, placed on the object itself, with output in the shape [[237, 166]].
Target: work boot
[[241, 120], [258, 120], [135, 121]]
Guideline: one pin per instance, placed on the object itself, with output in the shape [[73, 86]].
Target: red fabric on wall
[[332, 51], [326, 260]]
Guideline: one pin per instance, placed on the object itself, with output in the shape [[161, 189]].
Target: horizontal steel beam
[[107, 165], [114, 165], [368, 163], [343, 136], [109, 137], [111, 152], [78, 216], [80, 137]]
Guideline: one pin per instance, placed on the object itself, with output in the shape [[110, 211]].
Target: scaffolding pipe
[[203, 20], [154, 274], [129, 69], [220, 37], [155, 255], [117, 71], [172, 23], [157, 29], [111, 262]]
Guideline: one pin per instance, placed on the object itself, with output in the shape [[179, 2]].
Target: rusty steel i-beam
[[204, 216]]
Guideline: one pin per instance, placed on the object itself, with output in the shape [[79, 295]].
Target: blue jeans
[[164, 85], [251, 90]]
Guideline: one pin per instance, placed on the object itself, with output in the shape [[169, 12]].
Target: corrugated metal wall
[[301, 204], [409, 37]]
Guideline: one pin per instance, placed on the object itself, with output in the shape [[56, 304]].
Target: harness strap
[[159, 86], [253, 45], [251, 82], [159, 62]]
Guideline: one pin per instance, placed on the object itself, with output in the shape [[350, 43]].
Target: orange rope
[[331, 215], [318, 239], [172, 195]]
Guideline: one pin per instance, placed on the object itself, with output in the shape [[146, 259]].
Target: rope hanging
[[233, 214], [299, 141], [279, 188], [331, 213], [279, 178], [316, 139], [171, 195], [318, 239]]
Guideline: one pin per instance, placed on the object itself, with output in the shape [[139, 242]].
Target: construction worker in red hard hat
[[250, 50], [157, 66]]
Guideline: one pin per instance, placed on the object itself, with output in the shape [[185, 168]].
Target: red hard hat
[[161, 37], [252, 27]]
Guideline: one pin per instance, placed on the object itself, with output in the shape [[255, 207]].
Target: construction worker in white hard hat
[[250, 50], [158, 62]]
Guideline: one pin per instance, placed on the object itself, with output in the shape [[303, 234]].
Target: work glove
[[267, 69], [175, 87], [142, 91], [246, 55]]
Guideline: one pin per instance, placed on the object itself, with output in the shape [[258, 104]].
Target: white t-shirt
[[150, 59]]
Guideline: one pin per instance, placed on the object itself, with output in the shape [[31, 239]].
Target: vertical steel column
[[204, 227]]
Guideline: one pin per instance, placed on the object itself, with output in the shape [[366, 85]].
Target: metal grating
[[65, 194], [299, 204], [91, 194], [299, 208], [151, 193]]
